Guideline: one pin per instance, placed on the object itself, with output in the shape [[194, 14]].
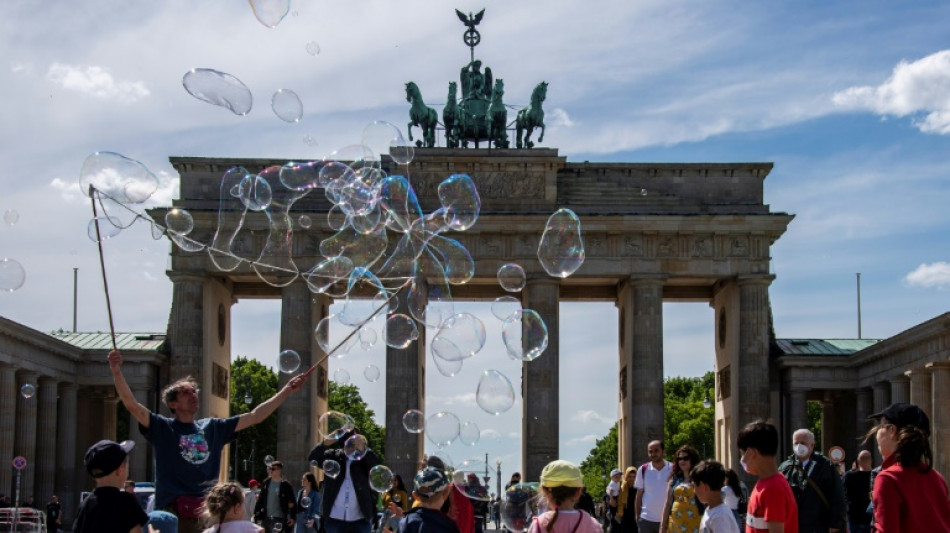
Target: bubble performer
[[188, 449], [349, 503]]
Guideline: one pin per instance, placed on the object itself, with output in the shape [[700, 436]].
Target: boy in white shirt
[[708, 477], [613, 488]]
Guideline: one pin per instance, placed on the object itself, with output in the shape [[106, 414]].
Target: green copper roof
[[103, 341], [841, 347]]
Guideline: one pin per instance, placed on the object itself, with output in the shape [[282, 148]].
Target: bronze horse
[[496, 119], [450, 117], [420, 115], [531, 117]]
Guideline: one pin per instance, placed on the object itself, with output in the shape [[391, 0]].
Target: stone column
[[405, 389], [46, 440], [8, 396], [186, 326], [921, 389], [882, 398], [318, 382], [67, 462], [900, 388], [293, 417], [940, 421], [138, 461], [641, 367], [797, 415], [540, 423], [753, 371], [864, 406], [25, 442]]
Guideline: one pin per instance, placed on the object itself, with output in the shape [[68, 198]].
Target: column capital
[[47, 381], [917, 372], [646, 279], [938, 366], [755, 279], [27, 375], [177, 276], [68, 386], [901, 378], [541, 279]]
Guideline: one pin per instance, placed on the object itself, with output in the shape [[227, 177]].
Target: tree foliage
[[813, 412], [685, 419], [600, 461], [347, 399], [259, 441]]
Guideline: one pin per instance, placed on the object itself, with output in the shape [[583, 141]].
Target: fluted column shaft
[[797, 414], [67, 460], [293, 417], [920, 389], [882, 398], [940, 421], [864, 406], [753, 348], [46, 440], [405, 389], [25, 442], [8, 397], [539, 444], [900, 389], [110, 417]]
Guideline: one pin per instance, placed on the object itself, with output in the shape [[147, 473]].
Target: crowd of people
[[804, 493]]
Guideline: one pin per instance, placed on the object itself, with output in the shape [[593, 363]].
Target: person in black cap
[[432, 489], [909, 495], [109, 509]]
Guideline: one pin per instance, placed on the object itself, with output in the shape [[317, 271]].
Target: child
[[561, 485], [432, 488], [224, 507], [771, 501], [708, 477], [613, 488], [109, 509]]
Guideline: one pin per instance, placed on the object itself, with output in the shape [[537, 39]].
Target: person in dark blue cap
[[431, 489], [109, 509]]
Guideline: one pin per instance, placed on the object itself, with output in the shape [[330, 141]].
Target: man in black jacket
[[275, 503], [349, 504], [817, 487]]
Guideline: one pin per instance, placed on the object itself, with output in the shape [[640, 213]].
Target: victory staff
[[188, 450]]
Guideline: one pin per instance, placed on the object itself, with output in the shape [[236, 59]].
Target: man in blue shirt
[[188, 450]]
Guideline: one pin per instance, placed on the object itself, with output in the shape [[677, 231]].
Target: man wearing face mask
[[816, 485]]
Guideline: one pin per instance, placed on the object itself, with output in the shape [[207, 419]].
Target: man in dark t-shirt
[[857, 492]]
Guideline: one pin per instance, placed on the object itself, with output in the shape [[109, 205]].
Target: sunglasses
[[684, 458]]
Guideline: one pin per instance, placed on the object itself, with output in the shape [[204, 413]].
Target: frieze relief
[[493, 185], [632, 247]]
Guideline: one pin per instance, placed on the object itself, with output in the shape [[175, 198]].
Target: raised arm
[[264, 410], [137, 410]]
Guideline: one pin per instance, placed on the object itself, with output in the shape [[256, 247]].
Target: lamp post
[[248, 398], [498, 477]]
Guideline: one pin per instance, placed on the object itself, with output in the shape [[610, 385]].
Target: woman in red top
[[909, 495]]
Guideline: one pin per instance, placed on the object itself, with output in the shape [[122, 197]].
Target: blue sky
[[848, 99]]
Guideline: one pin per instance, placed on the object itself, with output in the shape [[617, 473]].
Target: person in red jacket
[[909, 495]]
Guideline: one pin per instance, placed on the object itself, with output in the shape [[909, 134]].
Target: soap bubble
[[474, 465], [525, 335], [401, 330], [380, 136], [270, 12], [460, 337], [442, 428], [414, 421], [371, 373], [305, 221], [305, 502], [469, 433], [447, 368], [331, 468], [460, 201], [312, 48], [179, 220], [519, 506], [287, 105], [27, 390], [334, 424], [310, 140], [504, 306], [107, 228], [355, 447], [12, 275], [341, 376], [314, 463], [288, 361], [277, 527], [125, 180], [561, 250], [322, 332], [511, 277], [219, 88], [11, 217], [381, 478], [494, 394], [367, 337], [268, 459]]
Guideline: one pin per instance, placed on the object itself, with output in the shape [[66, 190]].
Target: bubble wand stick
[[102, 262]]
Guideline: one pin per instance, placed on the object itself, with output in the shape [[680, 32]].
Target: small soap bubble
[[511, 277], [381, 478], [268, 459], [310, 140], [525, 335], [12, 274], [643, 192], [401, 331], [179, 221], [447, 368], [519, 506], [314, 463], [287, 105], [322, 333], [355, 447], [270, 12], [341, 376], [414, 421], [469, 433], [288, 361], [218, 88], [504, 306], [27, 390], [334, 424], [11, 217], [442, 428], [108, 227], [460, 337], [312, 48], [371, 373], [277, 527], [561, 250], [305, 502], [331, 468], [495, 394], [368, 337], [305, 221]]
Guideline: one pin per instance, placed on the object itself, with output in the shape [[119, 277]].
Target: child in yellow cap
[[561, 485]]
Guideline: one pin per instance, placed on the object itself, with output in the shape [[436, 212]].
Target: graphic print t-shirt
[[187, 456]]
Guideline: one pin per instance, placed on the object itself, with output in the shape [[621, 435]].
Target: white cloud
[[96, 81], [914, 87], [930, 276], [589, 415], [559, 117], [491, 434], [586, 439]]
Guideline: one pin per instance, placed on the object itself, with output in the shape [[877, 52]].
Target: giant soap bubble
[[494, 394], [334, 424], [12, 274], [218, 88], [561, 250], [460, 337], [442, 428], [525, 335]]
